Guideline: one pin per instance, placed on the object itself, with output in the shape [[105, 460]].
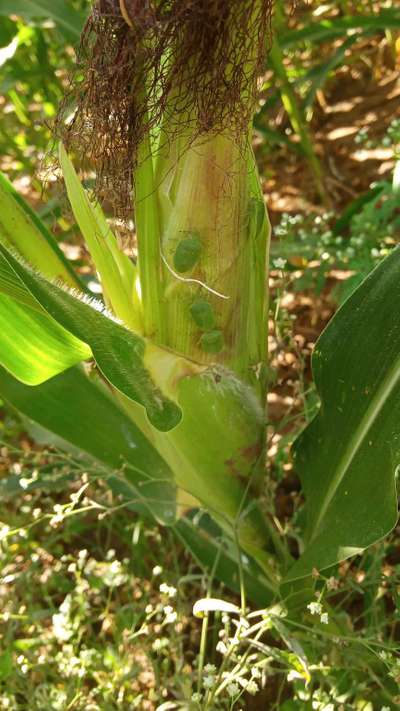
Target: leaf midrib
[[356, 441]]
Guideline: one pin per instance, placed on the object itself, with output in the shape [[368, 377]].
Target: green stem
[[148, 240]]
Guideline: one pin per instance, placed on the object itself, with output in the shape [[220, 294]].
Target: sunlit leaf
[[118, 352], [34, 347], [347, 457]]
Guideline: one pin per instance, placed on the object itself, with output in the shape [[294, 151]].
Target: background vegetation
[[97, 609]]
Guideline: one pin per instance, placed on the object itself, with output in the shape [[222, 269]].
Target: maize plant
[[173, 405]]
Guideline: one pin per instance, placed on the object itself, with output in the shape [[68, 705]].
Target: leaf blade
[[34, 347], [119, 353], [80, 411], [24, 231], [117, 272], [348, 455]]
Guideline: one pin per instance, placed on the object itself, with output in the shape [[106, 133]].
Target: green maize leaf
[[34, 347], [347, 456], [80, 410], [8, 30], [12, 286], [69, 21], [21, 228], [273, 137], [117, 273], [6, 665], [325, 30], [354, 207], [118, 352]]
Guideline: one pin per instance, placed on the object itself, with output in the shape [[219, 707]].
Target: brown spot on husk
[[239, 466]]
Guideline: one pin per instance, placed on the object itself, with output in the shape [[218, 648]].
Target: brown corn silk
[[184, 73], [207, 54], [165, 94]]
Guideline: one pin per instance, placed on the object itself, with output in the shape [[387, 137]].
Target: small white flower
[[114, 574], [170, 617], [252, 688], [324, 618], [61, 627], [157, 645], [65, 606], [157, 570], [4, 531], [167, 590], [56, 519], [210, 669], [8, 579], [221, 647], [256, 673], [315, 608], [279, 263], [233, 689], [208, 681], [233, 641], [196, 698]]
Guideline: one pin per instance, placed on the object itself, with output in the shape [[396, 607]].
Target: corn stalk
[[179, 341], [165, 113]]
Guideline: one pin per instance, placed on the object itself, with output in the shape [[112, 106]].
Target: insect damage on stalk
[[206, 55]]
